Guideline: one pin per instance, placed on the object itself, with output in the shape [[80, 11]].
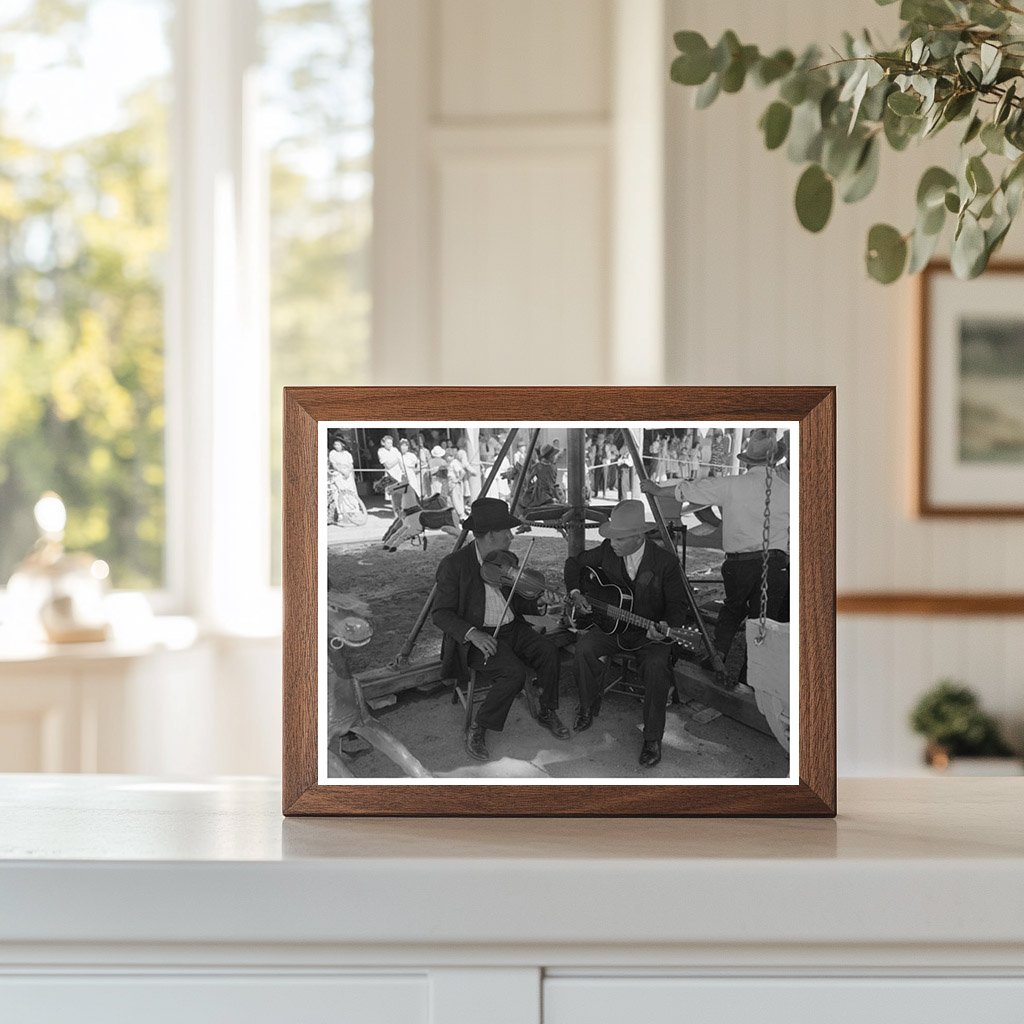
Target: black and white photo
[[538, 602]]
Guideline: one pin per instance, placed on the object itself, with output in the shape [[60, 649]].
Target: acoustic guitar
[[613, 613]]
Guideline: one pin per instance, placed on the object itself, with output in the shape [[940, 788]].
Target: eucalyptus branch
[[833, 117]]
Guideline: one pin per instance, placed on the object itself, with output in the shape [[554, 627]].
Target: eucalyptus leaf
[[944, 44], [735, 74], [958, 105], [857, 75], [991, 60], [828, 104], [775, 123], [725, 50], [932, 220], [900, 130], [978, 176], [1013, 187], [771, 69], [922, 248], [972, 131], [952, 202], [691, 68], [840, 152], [987, 15], [805, 133], [865, 173], [886, 253], [1004, 106], [690, 42], [933, 122], [931, 190], [968, 247], [873, 106], [814, 194], [794, 88], [925, 88], [993, 138], [995, 233], [1014, 191], [707, 93], [904, 103]]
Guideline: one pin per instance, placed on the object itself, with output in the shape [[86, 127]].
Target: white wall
[[500, 142]]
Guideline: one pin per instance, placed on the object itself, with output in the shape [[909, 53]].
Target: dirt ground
[[698, 742]]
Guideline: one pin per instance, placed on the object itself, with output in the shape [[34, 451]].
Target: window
[[238, 215], [317, 116], [83, 238]]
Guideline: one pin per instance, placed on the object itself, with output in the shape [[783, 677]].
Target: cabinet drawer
[[572, 1000], [202, 999]]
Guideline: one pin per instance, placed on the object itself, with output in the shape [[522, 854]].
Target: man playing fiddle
[[469, 611], [653, 576]]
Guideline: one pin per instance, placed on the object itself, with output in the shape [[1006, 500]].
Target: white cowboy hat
[[627, 519]]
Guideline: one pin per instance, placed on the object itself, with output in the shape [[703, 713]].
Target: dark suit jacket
[[658, 591], [459, 605]]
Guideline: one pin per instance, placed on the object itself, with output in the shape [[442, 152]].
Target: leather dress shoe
[[584, 720], [548, 717], [650, 753], [475, 745]]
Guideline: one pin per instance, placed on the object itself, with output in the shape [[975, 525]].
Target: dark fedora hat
[[759, 451], [488, 514]]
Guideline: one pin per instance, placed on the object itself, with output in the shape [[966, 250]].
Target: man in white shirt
[[742, 500]]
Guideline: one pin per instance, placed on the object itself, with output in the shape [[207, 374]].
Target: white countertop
[[124, 859]]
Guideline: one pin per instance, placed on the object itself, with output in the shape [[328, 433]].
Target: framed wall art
[[559, 601], [970, 445]]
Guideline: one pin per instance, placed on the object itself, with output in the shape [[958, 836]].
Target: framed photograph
[[559, 601], [970, 451]]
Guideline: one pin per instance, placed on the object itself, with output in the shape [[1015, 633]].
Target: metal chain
[[762, 629]]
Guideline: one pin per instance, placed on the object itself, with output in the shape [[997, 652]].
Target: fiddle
[[502, 569]]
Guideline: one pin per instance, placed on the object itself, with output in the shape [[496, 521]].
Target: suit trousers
[[653, 662], [520, 648], [742, 579]]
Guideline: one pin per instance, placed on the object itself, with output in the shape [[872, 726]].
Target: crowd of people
[[689, 454]]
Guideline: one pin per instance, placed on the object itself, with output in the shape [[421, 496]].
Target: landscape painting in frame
[[971, 450], [537, 603]]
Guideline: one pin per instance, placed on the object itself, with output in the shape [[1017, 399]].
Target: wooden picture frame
[[810, 788], [964, 467]]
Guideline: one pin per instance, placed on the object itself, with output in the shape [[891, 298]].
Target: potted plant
[[949, 716]]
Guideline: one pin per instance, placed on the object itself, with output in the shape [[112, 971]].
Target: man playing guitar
[[653, 576]]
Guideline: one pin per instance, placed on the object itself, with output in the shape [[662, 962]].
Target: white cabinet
[[201, 999], [133, 898], [827, 1000]]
